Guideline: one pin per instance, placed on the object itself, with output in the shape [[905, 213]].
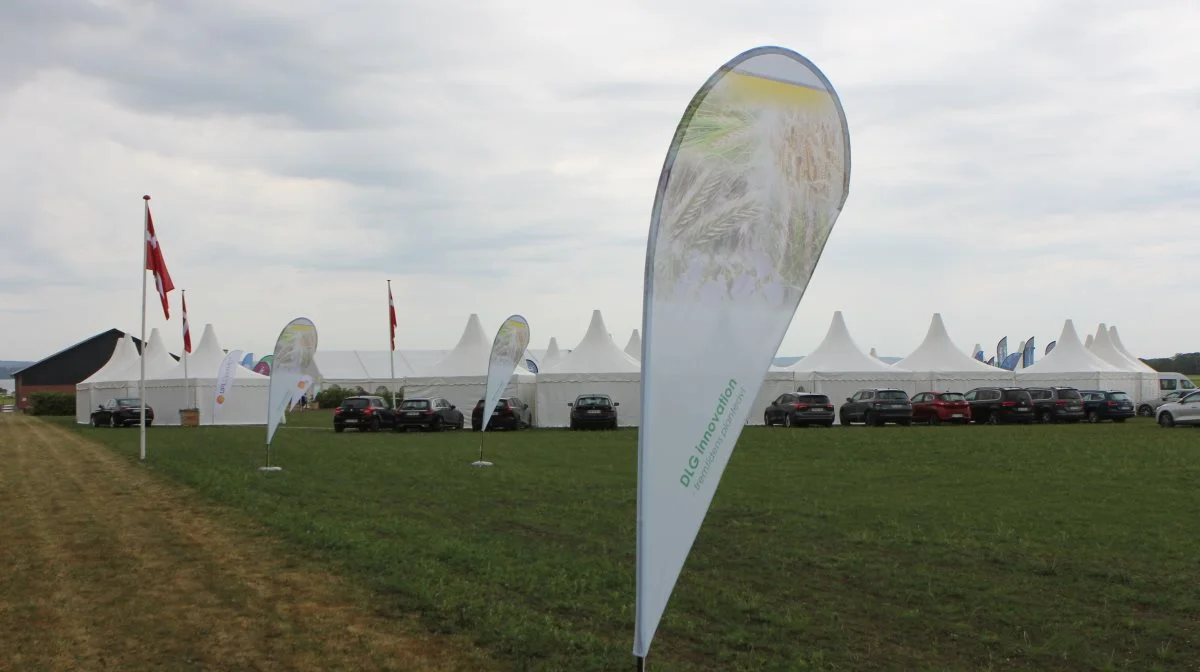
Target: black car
[[1056, 404], [799, 409], [1000, 405], [510, 413], [1112, 405], [120, 413], [429, 413], [877, 406], [594, 410], [366, 413]]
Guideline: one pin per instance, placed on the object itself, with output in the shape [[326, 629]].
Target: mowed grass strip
[[923, 548]]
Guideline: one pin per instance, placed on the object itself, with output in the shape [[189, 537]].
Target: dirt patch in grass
[[106, 567]]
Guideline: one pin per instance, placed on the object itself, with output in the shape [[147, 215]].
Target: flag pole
[[187, 391], [392, 342], [142, 374]]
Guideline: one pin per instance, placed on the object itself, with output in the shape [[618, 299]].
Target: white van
[[1174, 382]]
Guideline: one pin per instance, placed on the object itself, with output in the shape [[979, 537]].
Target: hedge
[[52, 403], [334, 395]]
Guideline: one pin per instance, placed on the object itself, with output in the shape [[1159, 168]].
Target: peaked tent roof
[[596, 353], [1102, 347], [469, 356], [205, 361], [1069, 356], [552, 356], [1116, 340], [1088, 343], [937, 353], [977, 348], [158, 361], [634, 347], [838, 352], [125, 352], [873, 354]]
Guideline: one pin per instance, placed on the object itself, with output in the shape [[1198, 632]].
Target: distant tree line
[[1187, 363]]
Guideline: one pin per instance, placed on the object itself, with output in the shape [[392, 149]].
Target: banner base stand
[[482, 463], [270, 468]]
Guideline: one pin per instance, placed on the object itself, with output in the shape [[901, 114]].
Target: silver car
[[1184, 411], [1147, 408]]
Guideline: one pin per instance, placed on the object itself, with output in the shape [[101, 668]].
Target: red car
[[939, 407]]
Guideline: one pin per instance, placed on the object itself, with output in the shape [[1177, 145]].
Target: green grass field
[[947, 548]]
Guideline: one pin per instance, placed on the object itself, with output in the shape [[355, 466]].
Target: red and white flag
[[187, 333], [392, 316], [156, 264]]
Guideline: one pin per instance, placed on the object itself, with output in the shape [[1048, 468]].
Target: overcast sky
[[1011, 167]]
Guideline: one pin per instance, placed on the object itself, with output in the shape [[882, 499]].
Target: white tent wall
[[1072, 364], [556, 390], [371, 369], [775, 383], [246, 405]]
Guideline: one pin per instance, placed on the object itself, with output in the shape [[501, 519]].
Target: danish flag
[[392, 315], [156, 264], [187, 333]]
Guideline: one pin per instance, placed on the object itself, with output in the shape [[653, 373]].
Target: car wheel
[[613, 425], [993, 419], [1166, 420], [1145, 411], [934, 419], [112, 422], [869, 419], [845, 421], [436, 424], [787, 420], [96, 422], [767, 420], [1093, 416], [1046, 417]]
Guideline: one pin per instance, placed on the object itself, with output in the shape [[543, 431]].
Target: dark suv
[[367, 413], [594, 410], [1056, 404], [799, 409], [428, 413], [1106, 405], [877, 406], [510, 413], [1000, 405]]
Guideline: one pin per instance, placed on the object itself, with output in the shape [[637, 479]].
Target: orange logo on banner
[[220, 398]]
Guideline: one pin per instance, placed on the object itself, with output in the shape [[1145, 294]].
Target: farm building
[[63, 370]]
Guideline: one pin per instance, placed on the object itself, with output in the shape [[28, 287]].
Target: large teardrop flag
[[753, 182], [225, 375], [508, 350], [293, 356]]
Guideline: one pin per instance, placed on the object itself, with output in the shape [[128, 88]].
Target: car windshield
[[1016, 395], [128, 403], [892, 395], [1040, 394], [593, 402], [1187, 385], [814, 399], [415, 404], [1073, 395], [951, 396], [355, 403], [1119, 396]]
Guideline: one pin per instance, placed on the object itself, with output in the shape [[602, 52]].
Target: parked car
[[1000, 405], [877, 406], [799, 409], [594, 410], [1100, 405], [428, 413], [938, 407], [365, 413], [1182, 411], [120, 413], [1149, 409], [1056, 404], [510, 413]]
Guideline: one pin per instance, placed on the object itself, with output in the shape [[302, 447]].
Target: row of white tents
[[837, 367]]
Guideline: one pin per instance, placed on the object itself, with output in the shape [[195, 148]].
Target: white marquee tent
[[123, 382], [1071, 364], [1088, 343], [634, 347], [1144, 384], [598, 366], [461, 376], [838, 367], [551, 357], [371, 369], [1116, 339], [170, 392], [939, 365], [89, 394]]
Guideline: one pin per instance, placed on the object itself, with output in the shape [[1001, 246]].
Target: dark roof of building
[[112, 335]]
